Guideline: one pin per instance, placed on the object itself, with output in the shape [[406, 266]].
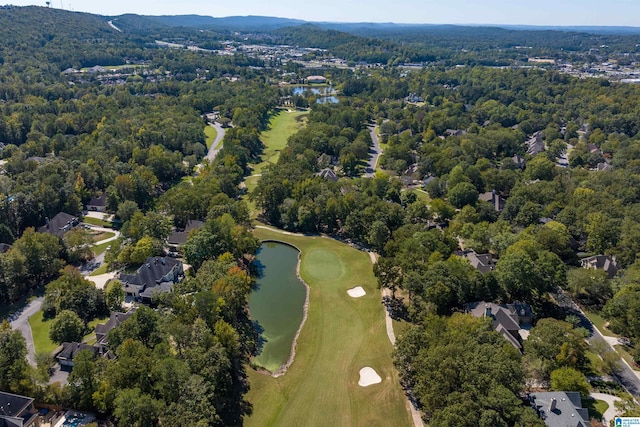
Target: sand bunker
[[368, 377], [356, 292]]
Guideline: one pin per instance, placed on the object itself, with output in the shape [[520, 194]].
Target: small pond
[[276, 304]]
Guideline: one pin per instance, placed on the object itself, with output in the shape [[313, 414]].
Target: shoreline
[[305, 310]]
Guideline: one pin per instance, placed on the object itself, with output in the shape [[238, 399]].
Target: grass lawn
[[600, 323], [341, 336], [97, 221], [282, 125], [210, 133], [103, 236], [597, 408], [40, 330], [623, 351], [98, 249], [100, 270]]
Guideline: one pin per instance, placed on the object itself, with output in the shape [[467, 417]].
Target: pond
[[277, 304], [324, 91]]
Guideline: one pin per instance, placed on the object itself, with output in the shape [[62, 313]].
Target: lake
[[277, 303]]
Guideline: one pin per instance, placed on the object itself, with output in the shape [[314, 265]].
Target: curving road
[[217, 143], [627, 377], [21, 323], [374, 154]]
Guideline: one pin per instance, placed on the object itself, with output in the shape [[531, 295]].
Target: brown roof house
[[508, 319], [601, 262], [157, 274], [17, 411], [59, 224], [560, 409]]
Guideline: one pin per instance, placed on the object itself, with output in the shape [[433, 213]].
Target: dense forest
[[86, 110]]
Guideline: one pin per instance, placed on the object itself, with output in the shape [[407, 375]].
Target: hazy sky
[[531, 12]]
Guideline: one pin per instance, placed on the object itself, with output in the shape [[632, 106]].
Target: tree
[[557, 344], [114, 297], [83, 380], [378, 235], [623, 311], [78, 242], [13, 363], [126, 210], [134, 408], [570, 379], [66, 327], [463, 194]]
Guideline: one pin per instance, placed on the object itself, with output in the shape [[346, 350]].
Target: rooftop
[[561, 409]]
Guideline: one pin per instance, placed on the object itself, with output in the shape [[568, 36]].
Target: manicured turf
[[103, 236], [281, 127], [40, 330], [600, 323], [100, 270], [98, 249], [210, 133], [623, 351], [341, 336], [97, 221]]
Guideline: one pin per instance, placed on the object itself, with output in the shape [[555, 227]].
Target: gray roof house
[[4, 247], [59, 224], [560, 409], [178, 238], [156, 272], [70, 349], [494, 198], [601, 262], [328, 173], [17, 411], [535, 144], [508, 319], [98, 203], [481, 262]]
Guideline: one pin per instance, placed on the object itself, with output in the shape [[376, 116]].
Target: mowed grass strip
[[341, 336], [40, 331], [282, 125], [210, 134]]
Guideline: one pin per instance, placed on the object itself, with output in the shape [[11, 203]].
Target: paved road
[[21, 323], [374, 154], [217, 143], [627, 377]]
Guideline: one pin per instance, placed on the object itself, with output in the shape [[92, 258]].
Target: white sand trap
[[368, 377], [356, 292]]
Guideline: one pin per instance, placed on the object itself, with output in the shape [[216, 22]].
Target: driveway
[[21, 323], [627, 377], [217, 143], [610, 413], [374, 153]]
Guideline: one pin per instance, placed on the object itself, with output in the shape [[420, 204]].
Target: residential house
[[328, 173], [17, 411], [178, 238], [481, 262], [70, 349], [494, 198], [316, 80], [519, 161], [601, 262], [4, 247], [98, 203], [560, 408], [535, 144], [508, 319], [59, 224], [156, 274], [455, 132], [413, 98]]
